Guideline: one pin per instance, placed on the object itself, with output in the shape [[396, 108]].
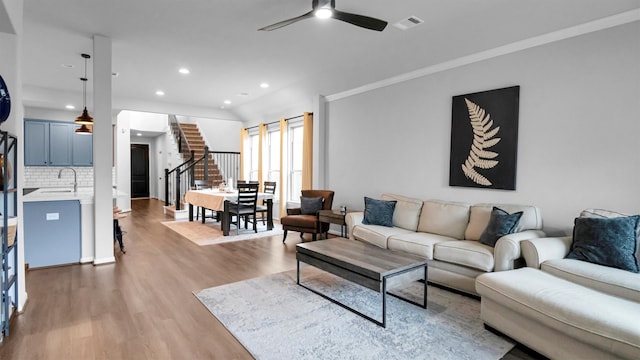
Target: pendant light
[[84, 119]]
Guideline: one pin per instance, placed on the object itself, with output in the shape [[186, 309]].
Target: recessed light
[[139, 134], [184, 71], [264, 85], [70, 107], [160, 93], [68, 66], [243, 94], [228, 102]]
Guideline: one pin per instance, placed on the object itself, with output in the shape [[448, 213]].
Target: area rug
[[274, 318], [210, 232]]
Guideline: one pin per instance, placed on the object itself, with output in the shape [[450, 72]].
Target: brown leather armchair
[[296, 221]]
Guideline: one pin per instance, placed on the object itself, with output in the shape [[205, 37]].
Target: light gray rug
[[276, 319]]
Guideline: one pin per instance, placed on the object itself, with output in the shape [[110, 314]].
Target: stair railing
[[178, 133], [228, 164], [177, 181]]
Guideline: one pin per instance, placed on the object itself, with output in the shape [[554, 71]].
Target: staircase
[[196, 144]]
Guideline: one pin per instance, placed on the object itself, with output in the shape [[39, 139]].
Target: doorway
[[139, 171]]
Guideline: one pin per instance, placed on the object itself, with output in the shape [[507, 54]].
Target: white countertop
[[84, 194]]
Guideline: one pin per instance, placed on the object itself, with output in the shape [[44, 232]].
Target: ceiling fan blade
[[360, 20], [280, 24]]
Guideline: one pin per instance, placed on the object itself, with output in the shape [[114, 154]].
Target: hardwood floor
[[141, 307]]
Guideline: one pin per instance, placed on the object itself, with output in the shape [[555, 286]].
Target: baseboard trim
[[86, 260], [104, 261]]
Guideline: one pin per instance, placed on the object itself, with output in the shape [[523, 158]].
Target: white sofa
[[447, 234], [565, 308]]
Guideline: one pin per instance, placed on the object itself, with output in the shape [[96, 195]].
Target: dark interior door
[[139, 170]]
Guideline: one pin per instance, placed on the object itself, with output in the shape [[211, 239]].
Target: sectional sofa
[[566, 308], [447, 234]]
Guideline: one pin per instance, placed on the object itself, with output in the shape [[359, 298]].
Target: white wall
[[578, 130], [11, 71]]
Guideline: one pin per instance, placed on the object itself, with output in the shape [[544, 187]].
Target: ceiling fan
[[327, 9]]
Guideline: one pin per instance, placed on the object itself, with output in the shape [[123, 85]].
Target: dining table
[[219, 201]]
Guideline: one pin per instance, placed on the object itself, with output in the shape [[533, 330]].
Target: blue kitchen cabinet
[[52, 233], [82, 148], [55, 143], [60, 148], [36, 140]]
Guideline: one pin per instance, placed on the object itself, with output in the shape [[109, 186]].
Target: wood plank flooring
[[141, 307]]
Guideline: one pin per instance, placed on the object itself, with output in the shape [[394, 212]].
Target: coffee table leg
[[298, 272], [384, 302], [425, 287]]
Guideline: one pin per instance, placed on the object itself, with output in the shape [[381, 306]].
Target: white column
[[123, 159], [102, 154]]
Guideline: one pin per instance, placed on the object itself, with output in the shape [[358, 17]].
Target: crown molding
[[592, 26]]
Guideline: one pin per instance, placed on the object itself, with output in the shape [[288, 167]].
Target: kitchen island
[[43, 203]]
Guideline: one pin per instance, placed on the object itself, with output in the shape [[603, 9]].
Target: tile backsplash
[[47, 176]]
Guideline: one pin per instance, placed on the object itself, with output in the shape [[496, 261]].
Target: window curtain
[[284, 169], [307, 151], [262, 141], [244, 140]]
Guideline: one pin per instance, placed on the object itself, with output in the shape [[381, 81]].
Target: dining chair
[[245, 206], [269, 188], [201, 185]]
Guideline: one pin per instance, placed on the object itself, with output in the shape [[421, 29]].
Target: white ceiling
[[219, 42]]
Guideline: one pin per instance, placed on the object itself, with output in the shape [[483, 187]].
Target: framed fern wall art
[[484, 139]]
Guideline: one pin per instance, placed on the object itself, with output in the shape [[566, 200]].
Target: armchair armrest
[[294, 211], [352, 219], [537, 251], [508, 248]]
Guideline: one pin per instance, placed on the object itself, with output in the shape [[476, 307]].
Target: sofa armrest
[[508, 248], [537, 251], [352, 219], [294, 211]]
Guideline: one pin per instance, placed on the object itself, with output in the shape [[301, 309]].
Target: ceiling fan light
[[85, 118], [323, 13]]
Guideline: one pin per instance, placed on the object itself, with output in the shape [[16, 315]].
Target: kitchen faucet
[[75, 178]]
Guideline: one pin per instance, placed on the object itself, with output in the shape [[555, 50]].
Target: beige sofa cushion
[[612, 281], [407, 211], [604, 321], [416, 243], [480, 213], [444, 218], [376, 234], [464, 252]]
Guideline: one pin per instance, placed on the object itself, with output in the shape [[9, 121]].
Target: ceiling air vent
[[408, 23]]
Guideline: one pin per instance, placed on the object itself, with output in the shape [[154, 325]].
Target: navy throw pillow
[[500, 224], [378, 212], [310, 205], [606, 241]]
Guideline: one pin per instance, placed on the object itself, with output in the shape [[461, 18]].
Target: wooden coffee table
[[364, 264]]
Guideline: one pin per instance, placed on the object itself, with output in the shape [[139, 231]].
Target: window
[[254, 150], [295, 160]]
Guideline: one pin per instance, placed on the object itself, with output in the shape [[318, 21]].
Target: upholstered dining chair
[[245, 206], [304, 221]]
